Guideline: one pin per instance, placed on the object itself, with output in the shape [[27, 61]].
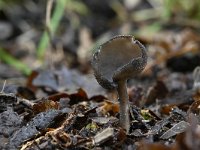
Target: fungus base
[[124, 105]]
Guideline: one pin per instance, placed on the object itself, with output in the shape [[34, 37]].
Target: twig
[[4, 84], [48, 19], [25, 102], [48, 12]]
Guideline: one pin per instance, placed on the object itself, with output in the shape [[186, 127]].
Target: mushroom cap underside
[[116, 56]]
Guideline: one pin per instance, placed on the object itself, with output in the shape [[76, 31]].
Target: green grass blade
[[56, 17], [7, 58]]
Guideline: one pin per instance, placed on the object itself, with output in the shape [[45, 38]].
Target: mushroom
[[116, 61]]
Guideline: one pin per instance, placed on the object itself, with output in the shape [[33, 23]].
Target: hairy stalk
[[124, 105]]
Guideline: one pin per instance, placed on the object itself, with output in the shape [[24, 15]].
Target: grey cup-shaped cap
[[120, 58]]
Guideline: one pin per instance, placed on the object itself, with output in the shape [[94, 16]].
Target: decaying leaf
[[25, 93], [103, 136], [45, 106], [176, 129], [109, 107], [195, 109], [158, 126], [29, 82], [157, 91], [136, 95], [191, 138], [79, 96], [7, 100], [104, 120], [66, 80], [168, 45], [10, 121], [153, 146], [166, 109], [37, 124]]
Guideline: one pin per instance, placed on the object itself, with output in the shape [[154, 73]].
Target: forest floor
[[50, 98]]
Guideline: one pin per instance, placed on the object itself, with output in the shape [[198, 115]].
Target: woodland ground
[[50, 99]]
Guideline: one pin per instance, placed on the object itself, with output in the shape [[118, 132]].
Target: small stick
[[4, 84]]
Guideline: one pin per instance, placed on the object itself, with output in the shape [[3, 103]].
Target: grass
[[7, 58], [54, 22], [76, 6]]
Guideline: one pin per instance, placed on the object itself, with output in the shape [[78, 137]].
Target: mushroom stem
[[124, 104]]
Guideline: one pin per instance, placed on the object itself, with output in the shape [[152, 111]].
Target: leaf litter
[[61, 108], [65, 119]]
